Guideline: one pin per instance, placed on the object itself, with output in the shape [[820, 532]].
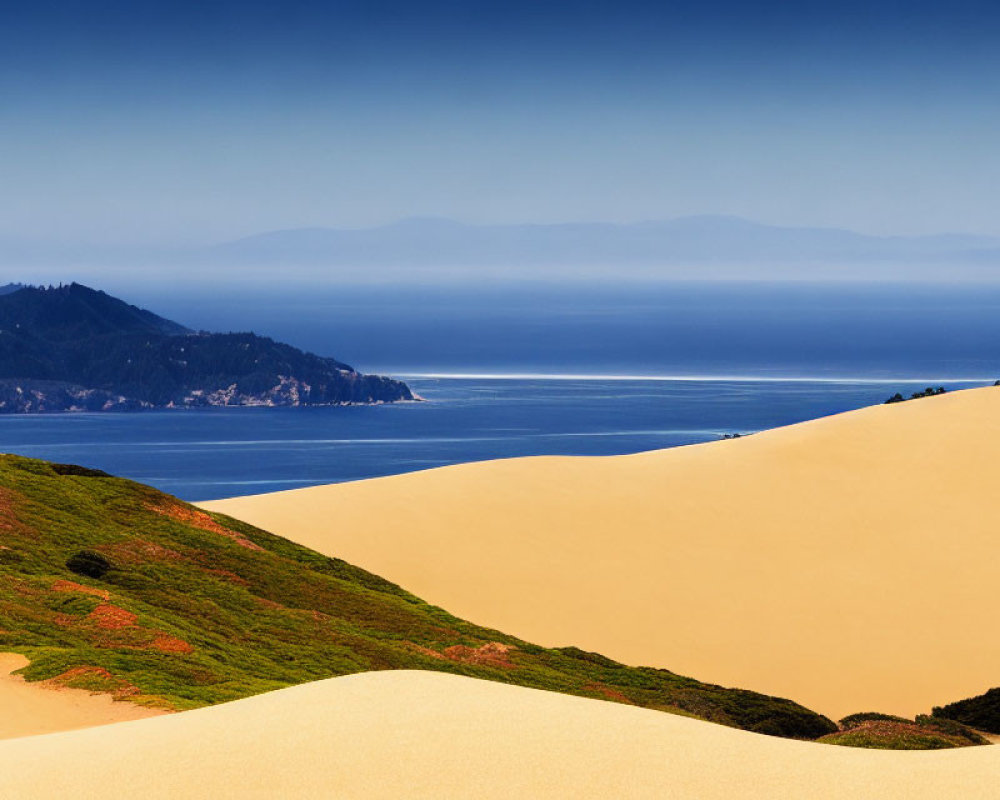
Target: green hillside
[[887, 732], [113, 586]]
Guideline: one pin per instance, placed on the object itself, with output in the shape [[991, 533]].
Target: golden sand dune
[[422, 734], [32, 708], [848, 563]]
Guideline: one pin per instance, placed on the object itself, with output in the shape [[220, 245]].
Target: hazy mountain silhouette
[[688, 240], [425, 248]]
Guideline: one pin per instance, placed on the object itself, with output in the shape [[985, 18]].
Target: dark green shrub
[[89, 564], [930, 391], [586, 655], [82, 472], [981, 712]]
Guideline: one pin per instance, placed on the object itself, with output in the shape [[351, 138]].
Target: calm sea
[[536, 370]]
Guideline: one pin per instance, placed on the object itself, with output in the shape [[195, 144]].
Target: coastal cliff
[[72, 348]]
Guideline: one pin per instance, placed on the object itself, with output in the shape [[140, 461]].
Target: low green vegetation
[[982, 711], [112, 586], [887, 732], [930, 391]]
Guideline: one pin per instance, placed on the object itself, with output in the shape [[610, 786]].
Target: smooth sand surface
[[848, 563], [27, 709], [431, 735]]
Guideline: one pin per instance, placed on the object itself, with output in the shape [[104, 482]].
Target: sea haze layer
[[675, 329]]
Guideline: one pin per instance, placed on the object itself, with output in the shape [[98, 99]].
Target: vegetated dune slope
[[27, 709], [422, 734], [112, 586], [848, 563]]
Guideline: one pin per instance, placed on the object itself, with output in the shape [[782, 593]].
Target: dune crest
[[846, 562], [34, 708], [431, 735]]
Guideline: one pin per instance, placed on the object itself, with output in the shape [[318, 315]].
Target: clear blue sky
[[204, 121]]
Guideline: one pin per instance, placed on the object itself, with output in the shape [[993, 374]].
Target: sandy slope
[[415, 735], [848, 563], [31, 708]]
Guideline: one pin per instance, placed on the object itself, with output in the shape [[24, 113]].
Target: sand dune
[[847, 562], [420, 734], [27, 709]]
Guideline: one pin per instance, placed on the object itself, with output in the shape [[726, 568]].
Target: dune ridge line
[[844, 562]]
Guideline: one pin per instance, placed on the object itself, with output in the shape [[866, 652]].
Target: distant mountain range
[[74, 348], [689, 240], [688, 247]]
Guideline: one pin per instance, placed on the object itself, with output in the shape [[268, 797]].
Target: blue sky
[[183, 123]]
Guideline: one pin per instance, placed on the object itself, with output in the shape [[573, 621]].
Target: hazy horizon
[[444, 251], [418, 218], [182, 125]]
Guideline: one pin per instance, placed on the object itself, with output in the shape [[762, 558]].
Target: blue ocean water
[[590, 370], [205, 454], [758, 329]]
